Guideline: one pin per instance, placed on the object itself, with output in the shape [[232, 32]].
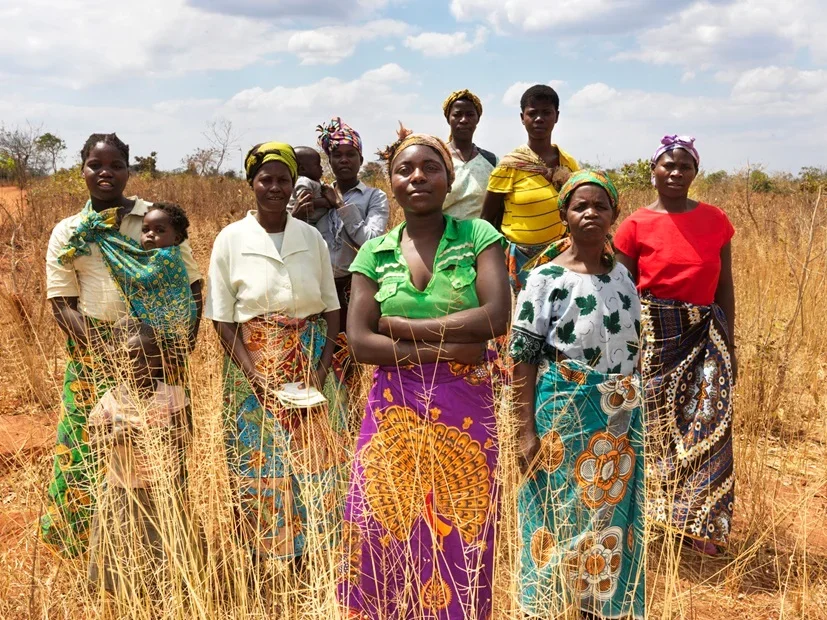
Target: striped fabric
[[531, 216]]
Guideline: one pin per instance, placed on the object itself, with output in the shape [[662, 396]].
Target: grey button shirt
[[364, 216]]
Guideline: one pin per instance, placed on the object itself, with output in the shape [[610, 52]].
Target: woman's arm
[[332, 320], [229, 334], [368, 346], [628, 262], [488, 321], [725, 298], [528, 443], [70, 320], [493, 207], [197, 289]]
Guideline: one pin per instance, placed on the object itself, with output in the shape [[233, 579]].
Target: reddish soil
[[10, 199]]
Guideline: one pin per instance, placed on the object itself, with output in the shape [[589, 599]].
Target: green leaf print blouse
[[592, 319]]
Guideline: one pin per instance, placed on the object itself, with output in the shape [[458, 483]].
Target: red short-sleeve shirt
[[678, 254]]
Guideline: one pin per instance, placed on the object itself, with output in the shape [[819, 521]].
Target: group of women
[[603, 328]]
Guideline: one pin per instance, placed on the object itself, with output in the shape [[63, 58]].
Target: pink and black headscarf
[[670, 143], [335, 133]]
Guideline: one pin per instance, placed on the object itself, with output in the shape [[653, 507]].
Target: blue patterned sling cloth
[[153, 283]]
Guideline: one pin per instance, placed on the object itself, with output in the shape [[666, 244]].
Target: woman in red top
[[678, 251]]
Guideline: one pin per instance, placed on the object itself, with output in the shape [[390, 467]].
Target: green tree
[[811, 178], [20, 146], [760, 182], [635, 175], [51, 147], [148, 164]]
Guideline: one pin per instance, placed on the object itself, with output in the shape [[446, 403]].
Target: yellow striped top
[[531, 216]]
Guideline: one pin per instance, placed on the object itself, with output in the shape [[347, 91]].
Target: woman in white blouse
[[272, 299]]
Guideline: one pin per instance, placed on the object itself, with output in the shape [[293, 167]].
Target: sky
[[747, 78]]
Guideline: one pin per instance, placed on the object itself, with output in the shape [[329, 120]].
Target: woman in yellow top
[[522, 190]]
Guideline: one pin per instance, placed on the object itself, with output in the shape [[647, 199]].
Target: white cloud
[[736, 34], [174, 106], [330, 45], [565, 17], [782, 108], [291, 9], [76, 44], [513, 93], [438, 44]]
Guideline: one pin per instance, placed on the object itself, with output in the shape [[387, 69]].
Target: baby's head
[[143, 354], [164, 224], [310, 162]]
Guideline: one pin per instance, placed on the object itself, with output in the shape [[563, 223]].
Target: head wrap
[[260, 154], [670, 143], [456, 96], [406, 138], [336, 133], [588, 177]]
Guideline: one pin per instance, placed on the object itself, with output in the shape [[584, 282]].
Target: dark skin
[[539, 119], [106, 173], [345, 162], [420, 184], [463, 119], [157, 231], [272, 187], [674, 173], [589, 216], [310, 166]]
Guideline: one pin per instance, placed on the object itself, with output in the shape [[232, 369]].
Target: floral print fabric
[[589, 318], [581, 509]]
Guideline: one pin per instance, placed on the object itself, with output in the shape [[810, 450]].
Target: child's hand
[[333, 196]]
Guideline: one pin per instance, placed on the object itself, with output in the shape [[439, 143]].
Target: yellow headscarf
[[456, 96], [260, 154]]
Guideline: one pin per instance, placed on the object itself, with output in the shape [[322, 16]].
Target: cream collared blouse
[[248, 277]]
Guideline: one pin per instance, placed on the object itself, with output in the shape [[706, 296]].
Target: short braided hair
[[111, 139], [177, 217]]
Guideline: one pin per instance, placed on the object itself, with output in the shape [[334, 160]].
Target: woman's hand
[[528, 446], [469, 354], [733, 360], [304, 204], [260, 384]]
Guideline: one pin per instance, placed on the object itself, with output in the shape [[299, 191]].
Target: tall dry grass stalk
[[776, 566]]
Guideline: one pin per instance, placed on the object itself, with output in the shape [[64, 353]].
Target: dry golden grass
[[776, 566]]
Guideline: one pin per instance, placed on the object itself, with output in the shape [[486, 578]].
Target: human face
[[105, 172], [157, 231], [345, 161], [589, 214], [419, 180], [674, 172], [310, 166], [144, 361], [463, 119], [273, 186], [539, 119]]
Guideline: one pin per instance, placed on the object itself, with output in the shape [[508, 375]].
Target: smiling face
[[674, 172], [539, 119], [463, 119], [106, 172], [419, 179], [345, 162], [273, 186], [157, 231], [589, 214]]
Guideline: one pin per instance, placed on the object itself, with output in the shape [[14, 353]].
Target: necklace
[[458, 153]]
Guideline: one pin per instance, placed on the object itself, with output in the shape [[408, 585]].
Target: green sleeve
[[365, 261], [483, 235]]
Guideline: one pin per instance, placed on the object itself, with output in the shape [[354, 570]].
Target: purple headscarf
[[670, 143]]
